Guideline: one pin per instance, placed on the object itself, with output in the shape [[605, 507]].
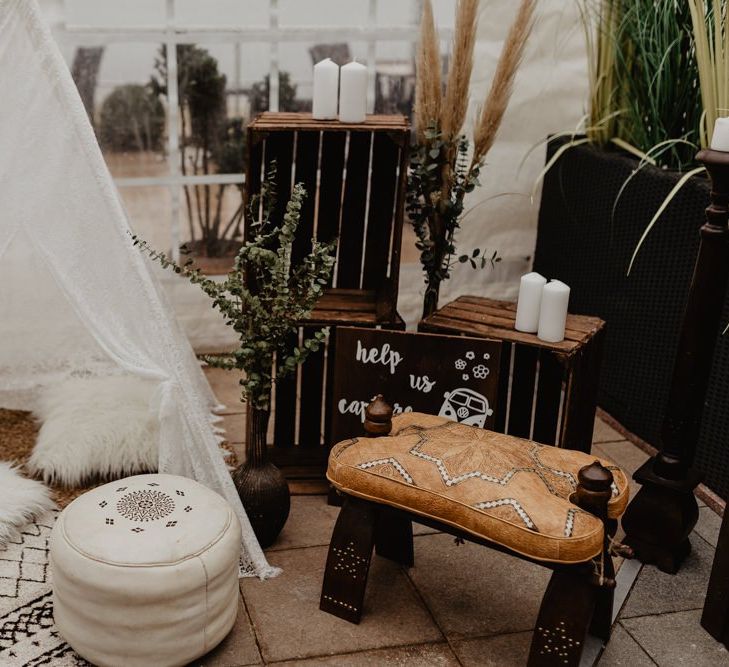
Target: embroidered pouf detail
[[145, 571]]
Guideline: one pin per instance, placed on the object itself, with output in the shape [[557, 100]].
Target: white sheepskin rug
[[22, 501], [95, 428]]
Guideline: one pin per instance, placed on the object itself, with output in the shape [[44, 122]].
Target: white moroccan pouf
[[145, 571]]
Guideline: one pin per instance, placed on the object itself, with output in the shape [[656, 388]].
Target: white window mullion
[[273, 82], [173, 130], [371, 56]]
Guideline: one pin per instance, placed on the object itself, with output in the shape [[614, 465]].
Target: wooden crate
[[303, 405], [355, 177], [547, 391]]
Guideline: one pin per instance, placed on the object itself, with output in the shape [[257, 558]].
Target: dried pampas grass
[[440, 173], [427, 85], [492, 112], [455, 103]]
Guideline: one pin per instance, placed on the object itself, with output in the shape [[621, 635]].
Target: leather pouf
[[145, 571]]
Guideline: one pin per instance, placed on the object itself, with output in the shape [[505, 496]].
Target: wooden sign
[[450, 376]]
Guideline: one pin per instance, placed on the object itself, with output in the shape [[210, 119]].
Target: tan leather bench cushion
[[511, 491]]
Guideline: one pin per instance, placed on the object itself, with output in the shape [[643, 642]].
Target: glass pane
[[220, 87], [115, 13], [330, 13], [401, 13], [223, 13], [395, 78], [150, 214], [296, 68], [126, 110], [212, 224]]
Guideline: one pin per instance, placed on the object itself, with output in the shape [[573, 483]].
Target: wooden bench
[[554, 507]]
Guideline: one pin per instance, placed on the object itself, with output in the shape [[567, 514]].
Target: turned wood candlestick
[[378, 417], [663, 513]]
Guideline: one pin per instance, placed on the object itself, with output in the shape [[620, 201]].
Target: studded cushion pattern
[[508, 490]]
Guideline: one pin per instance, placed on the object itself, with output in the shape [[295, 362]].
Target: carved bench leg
[[564, 618], [348, 562], [394, 537]]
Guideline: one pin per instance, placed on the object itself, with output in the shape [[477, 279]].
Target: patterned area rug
[[27, 634]]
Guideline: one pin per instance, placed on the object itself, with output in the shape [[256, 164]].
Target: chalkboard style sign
[[451, 376]]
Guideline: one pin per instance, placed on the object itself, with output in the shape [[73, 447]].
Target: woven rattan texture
[[581, 242]]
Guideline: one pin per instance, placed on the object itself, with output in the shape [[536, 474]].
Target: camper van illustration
[[466, 407]]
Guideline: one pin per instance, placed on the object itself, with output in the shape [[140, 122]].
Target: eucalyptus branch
[[265, 295]]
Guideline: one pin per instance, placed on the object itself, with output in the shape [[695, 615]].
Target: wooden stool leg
[[348, 562], [394, 537], [564, 618]]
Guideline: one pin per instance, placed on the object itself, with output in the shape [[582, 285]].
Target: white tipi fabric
[[75, 296]]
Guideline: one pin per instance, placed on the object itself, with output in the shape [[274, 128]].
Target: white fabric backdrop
[[76, 298]]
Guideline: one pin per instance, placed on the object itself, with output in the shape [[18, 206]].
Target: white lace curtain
[[75, 296]]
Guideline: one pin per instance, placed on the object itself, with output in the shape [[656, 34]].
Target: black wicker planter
[[580, 242]]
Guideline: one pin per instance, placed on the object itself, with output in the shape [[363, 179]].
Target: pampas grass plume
[[455, 103], [427, 84], [497, 100]]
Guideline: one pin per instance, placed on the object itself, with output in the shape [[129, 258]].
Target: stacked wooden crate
[[547, 391], [355, 176]]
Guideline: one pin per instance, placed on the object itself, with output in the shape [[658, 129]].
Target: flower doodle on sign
[[460, 364], [480, 372], [470, 355]]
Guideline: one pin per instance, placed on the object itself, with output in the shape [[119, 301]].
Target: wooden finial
[[378, 417], [594, 489]]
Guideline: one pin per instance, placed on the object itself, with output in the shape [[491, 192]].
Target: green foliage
[[132, 118], [436, 211], [209, 143], [643, 77], [265, 295], [657, 76], [286, 94]]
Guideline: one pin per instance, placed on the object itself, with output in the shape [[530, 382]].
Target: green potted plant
[[210, 143], [627, 194], [263, 298]]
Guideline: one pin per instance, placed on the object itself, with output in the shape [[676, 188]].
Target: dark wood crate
[[547, 391], [303, 405], [361, 171]]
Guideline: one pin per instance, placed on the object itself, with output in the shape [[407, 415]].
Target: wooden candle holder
[[662, 515]]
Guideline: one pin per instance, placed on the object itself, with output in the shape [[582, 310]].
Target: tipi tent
[[75, 296]]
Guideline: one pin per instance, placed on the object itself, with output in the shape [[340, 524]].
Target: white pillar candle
[[353, 93], [326, 89], [553, 313], [530, 298], [720, 138]]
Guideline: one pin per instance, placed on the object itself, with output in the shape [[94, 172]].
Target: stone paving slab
[[475, 591], [423, 655], [238, 648], [602, 432], [623, 651], [656, 592], [500, 651], [286, 617], [677, 639]]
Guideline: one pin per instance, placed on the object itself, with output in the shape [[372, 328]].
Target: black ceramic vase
[[262, 488]]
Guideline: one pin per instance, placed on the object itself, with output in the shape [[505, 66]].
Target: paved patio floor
[[460, 605]]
